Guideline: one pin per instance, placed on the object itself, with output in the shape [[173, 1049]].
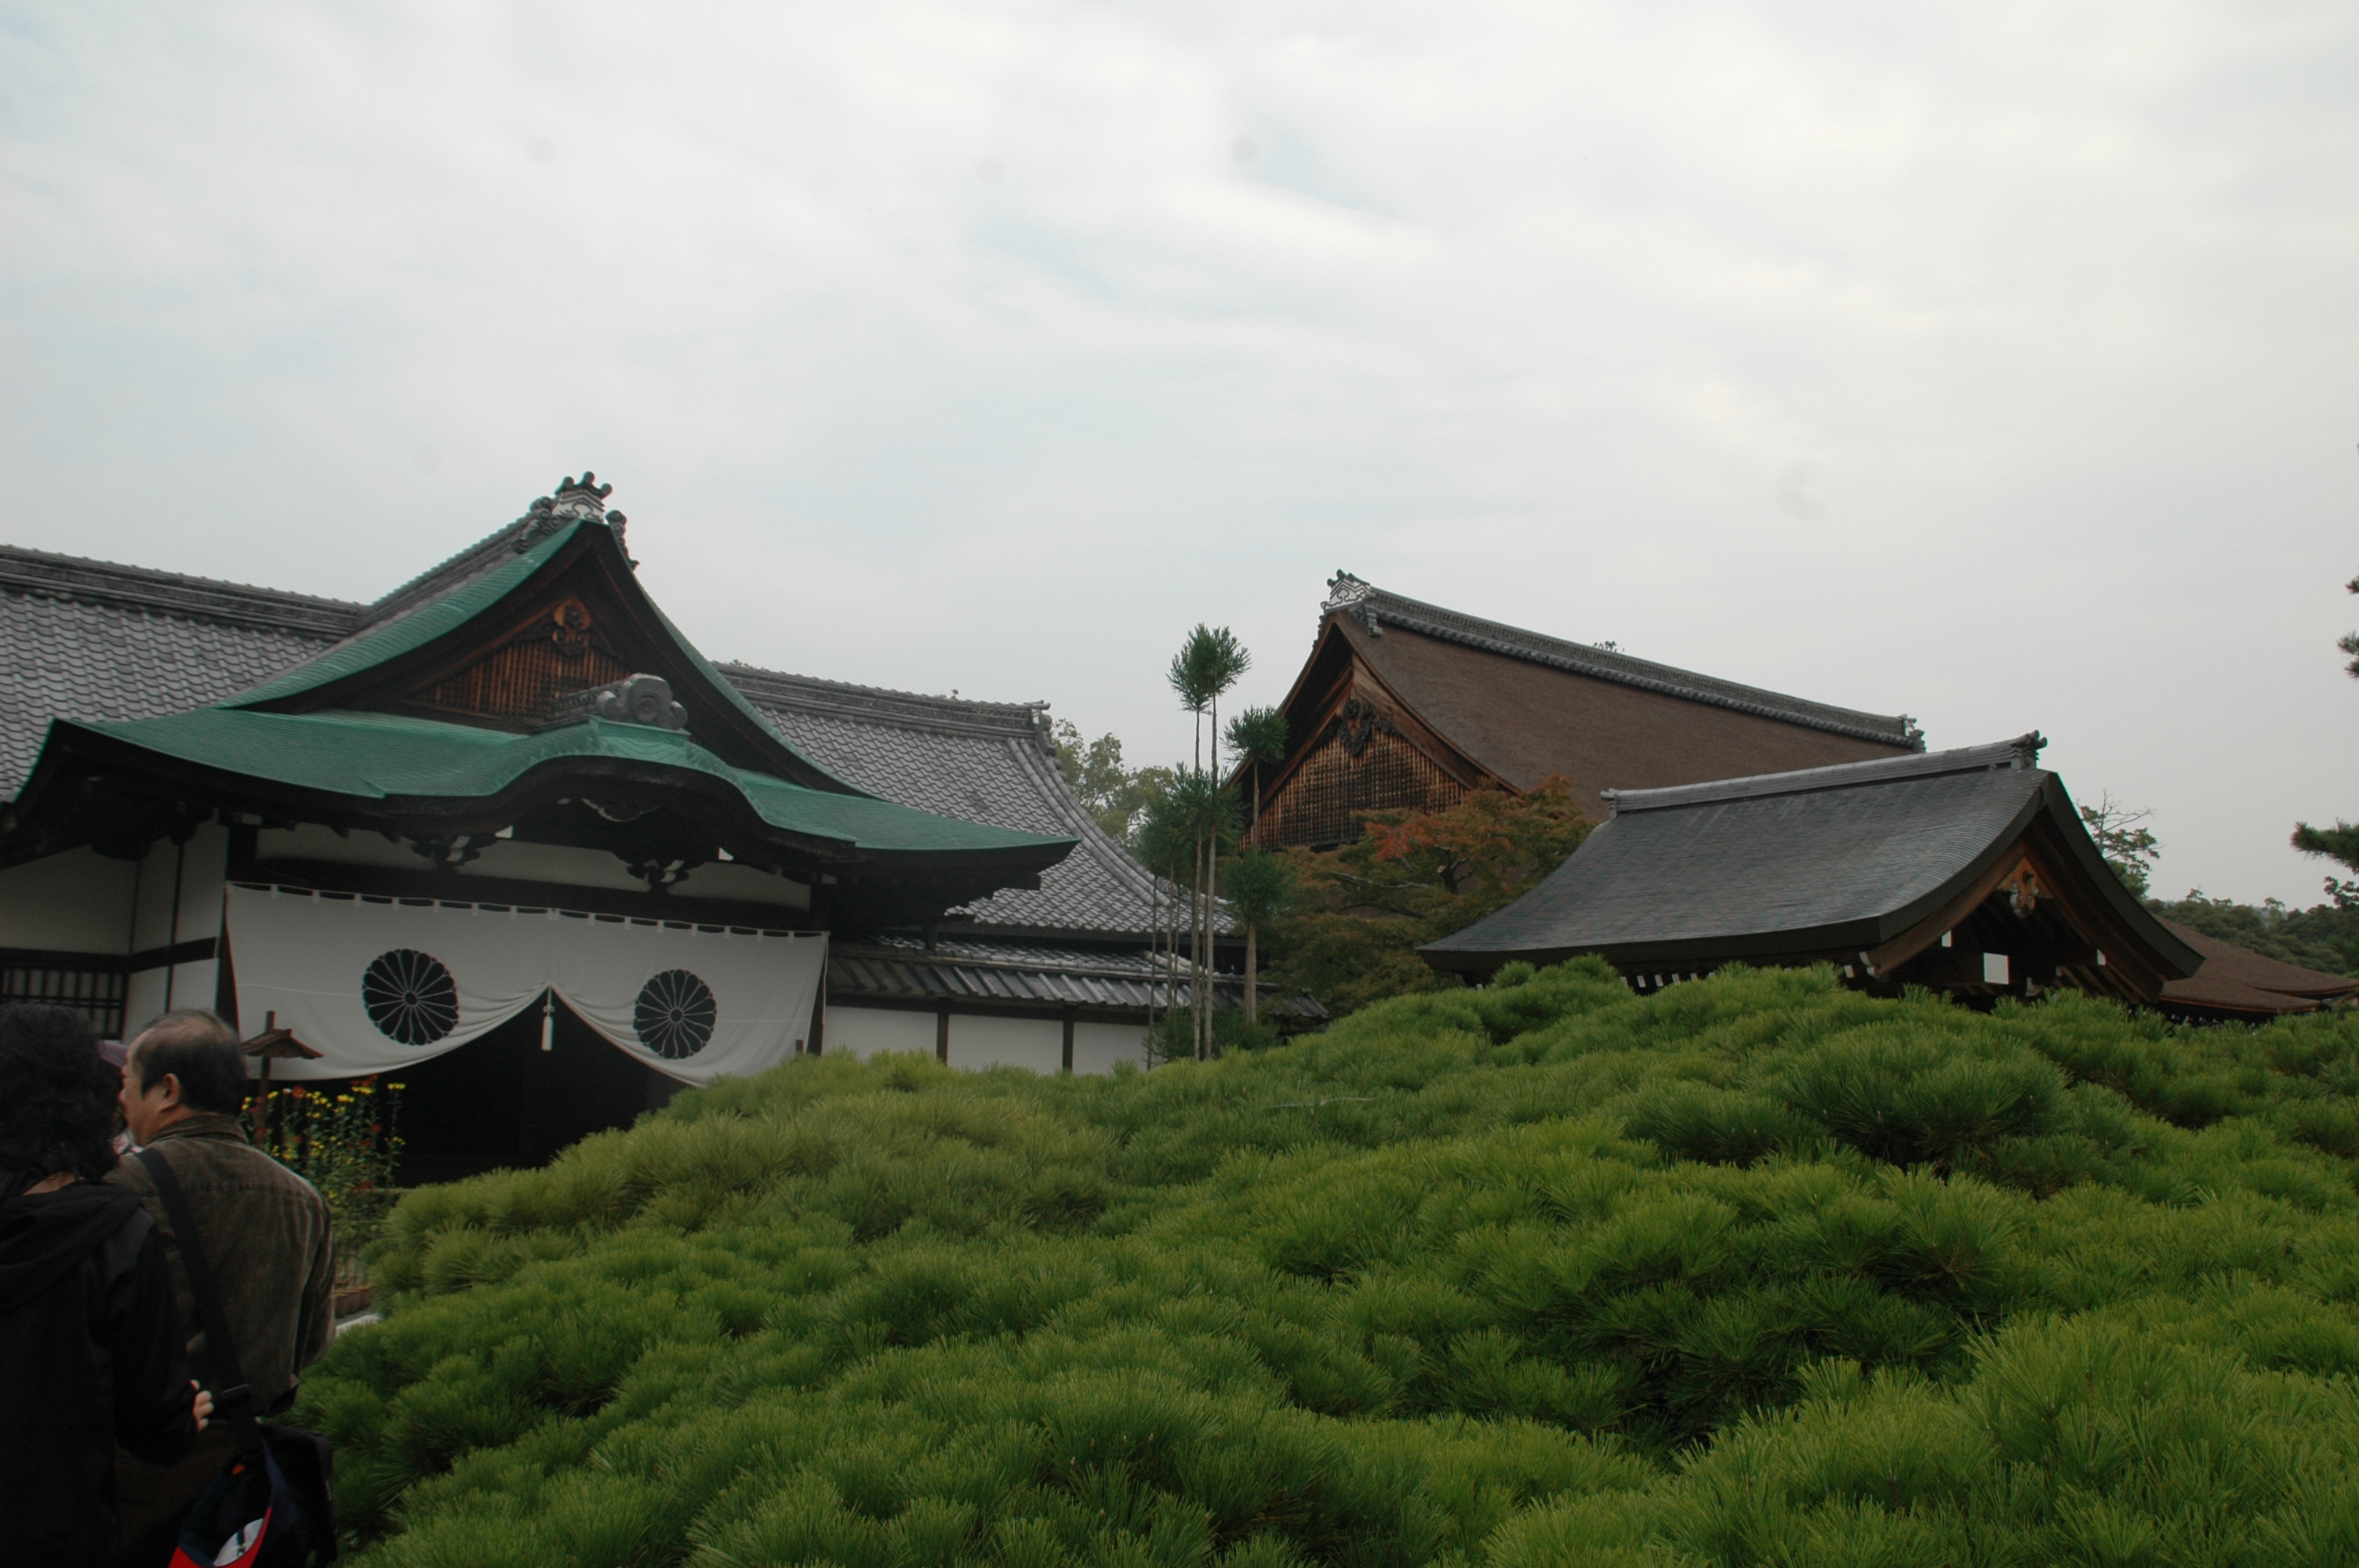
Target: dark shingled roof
[[2236, 983], [1834, 859], [1375, 608]]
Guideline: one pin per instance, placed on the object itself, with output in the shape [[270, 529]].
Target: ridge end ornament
[[582, 500], [634, 700]]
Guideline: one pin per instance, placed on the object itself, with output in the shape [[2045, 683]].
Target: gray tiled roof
[[91, 640], [1841, 852], [984, 762], [1028, 975], [1375, 608]]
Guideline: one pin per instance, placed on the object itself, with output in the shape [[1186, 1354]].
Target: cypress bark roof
[[1375, 609], [2235, 981]]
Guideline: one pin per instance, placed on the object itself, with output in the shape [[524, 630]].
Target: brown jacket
[[266, 1236]]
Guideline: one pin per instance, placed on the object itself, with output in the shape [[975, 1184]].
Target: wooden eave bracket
[[1883, 959]]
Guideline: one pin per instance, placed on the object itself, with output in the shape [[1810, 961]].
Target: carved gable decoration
[[560, 651], [1361, 761]]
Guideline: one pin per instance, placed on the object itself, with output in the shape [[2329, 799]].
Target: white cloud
[[952, 345]]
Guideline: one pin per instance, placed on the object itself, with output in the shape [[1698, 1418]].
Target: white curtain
[[376, 985]]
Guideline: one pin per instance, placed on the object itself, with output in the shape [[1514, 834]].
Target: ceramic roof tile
[[986, 761], [62, 658], [97, 642]]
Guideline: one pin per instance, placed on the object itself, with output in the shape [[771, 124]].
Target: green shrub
[[1757, 1270]]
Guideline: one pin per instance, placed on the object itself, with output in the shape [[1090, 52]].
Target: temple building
[[1404, 704], [1965, 871], [506, 834]]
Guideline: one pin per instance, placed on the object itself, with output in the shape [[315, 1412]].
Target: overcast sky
[[1992, 362]]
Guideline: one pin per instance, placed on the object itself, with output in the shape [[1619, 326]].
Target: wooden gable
[[551, 655], [1354, 747], [580, 621]]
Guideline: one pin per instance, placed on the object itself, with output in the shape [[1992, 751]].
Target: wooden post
[[942, 1036], [1068, 1040], [271, 1044]]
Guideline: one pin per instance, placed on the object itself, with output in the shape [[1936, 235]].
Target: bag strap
[[234, 1400]]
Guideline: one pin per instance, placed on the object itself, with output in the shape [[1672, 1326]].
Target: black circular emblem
[[675, 1014], [410, 997]]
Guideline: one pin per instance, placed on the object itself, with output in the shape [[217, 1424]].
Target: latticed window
[[97, 994], [1321, 805]]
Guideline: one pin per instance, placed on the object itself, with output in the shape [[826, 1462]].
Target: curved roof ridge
[[884, 705], [89, 580], [2023, 752], [1376, 608], [452, 571]]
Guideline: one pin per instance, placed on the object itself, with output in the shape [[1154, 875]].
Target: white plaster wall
[[982, 1041], [201, 868], [864, 1031], [978, 1042], [143, 998], [1098, 1046], [151, 923], [79, 902]]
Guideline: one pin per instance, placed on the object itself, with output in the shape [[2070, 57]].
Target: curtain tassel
[[548, 1018]]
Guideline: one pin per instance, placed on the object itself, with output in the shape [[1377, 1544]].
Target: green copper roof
[[415, 629], [452, 611], [373, 756]]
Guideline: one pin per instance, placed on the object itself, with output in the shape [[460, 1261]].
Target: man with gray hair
[[264, 1233]]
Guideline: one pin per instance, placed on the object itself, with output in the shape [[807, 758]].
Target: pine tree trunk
[[1211, 883], [1200, 988], [1252, 995]]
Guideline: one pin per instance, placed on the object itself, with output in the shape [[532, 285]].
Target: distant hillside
[[1755, 1270], [2322, 937]]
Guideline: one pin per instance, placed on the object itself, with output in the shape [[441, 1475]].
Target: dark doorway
[[505, 1101]]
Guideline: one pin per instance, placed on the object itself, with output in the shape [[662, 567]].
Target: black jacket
[[91, 1354]]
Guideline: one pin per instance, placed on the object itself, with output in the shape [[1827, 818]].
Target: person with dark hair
[[91, 1352], [265, 1232]]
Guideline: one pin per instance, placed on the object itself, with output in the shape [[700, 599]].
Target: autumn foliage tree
[[1359, 913]]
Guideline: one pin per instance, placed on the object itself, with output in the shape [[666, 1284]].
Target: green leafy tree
[[1205, 811], [1114, 795], [2348, 640], [1208, 663], [1164, 845], [2322, 937], [1360, 912], [1257, 737], [2131, 851], [1261, 886], [2339, 844]]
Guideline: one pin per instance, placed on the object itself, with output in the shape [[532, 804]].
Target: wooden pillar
[[817, 1039], [1068, 1040], [942, 1036]]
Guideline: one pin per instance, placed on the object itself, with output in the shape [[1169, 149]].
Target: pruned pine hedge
[[1755, 1270]]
